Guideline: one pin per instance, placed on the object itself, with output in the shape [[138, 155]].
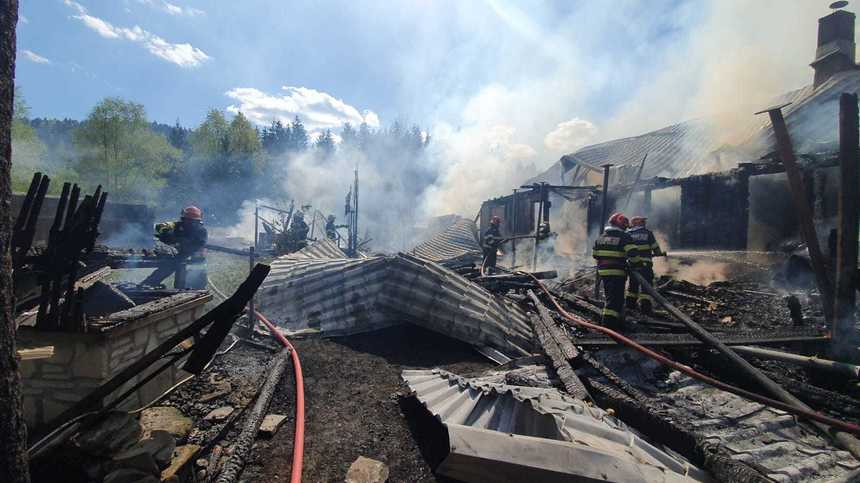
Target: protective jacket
[[188, 238], [646, 246], [612, 250]]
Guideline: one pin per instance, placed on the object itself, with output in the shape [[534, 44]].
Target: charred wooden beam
[[844, 331], [559, 348], [846, 441], [645, 417], [245, 441], [802, 206]]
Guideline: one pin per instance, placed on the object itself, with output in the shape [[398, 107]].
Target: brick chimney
[[835, 52]]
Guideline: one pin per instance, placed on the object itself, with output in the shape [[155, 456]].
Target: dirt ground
[[352, 386]]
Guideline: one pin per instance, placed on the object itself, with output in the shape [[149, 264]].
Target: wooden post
[[13, 431], [846, 251], [802, 206], [604, 212], [251, 308]]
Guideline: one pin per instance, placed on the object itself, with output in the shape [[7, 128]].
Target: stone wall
[[82, 362]]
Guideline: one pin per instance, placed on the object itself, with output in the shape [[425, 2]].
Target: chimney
[[835, 52]]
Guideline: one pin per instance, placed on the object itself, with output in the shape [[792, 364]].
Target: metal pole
[[848, 370], [604, 212], [848, 442], [355, 215], [256, 222], [537, 226], [846, 251], [514, 232], [802, 206]]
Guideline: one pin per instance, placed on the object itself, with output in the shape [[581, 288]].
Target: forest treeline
[[220, 163]]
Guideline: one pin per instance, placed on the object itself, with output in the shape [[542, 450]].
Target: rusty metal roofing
[[347, 296], [612, 449], [456, 242], [691, 147], [755, 434]]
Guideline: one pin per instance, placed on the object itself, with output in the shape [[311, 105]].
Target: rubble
[[271, 424], [219, 414], [165, 418], [367, 470]]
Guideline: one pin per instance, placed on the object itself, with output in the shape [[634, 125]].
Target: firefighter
[[331, 228], [490, 244], [612, 250], [646, 249], [297, 234], [189, 237]]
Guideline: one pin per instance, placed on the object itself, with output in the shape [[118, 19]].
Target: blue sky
[[529, 80], [411, 59]]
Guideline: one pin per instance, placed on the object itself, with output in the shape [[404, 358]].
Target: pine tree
[[348, 135], [299, 138], [325, 143]]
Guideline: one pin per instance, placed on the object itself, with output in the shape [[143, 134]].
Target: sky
[[502, 86]]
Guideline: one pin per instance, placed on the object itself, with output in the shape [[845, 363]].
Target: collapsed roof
[[343, 296], [693, 147]]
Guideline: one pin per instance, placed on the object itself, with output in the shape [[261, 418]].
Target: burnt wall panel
[[122, 224], [714, 212]]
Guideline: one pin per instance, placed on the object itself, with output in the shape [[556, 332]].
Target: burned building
[[706, 183]]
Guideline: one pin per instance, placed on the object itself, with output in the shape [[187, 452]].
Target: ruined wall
[[82, 362], [127, 223]]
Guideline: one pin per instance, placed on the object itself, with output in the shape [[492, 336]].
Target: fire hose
[[689, 371], [299, 438]]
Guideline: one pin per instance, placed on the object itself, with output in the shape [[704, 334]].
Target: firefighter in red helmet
[[646, 249], [490, 245], [612, 250], [188, 236]]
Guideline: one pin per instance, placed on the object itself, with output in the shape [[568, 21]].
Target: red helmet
[[619, 220], [192, 213], [638, 221], [495, 220]]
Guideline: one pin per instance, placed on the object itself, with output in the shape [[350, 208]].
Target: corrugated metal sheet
[[324, 248], [348, 296], [689, 147], [769, 438], [546, 414], [457, 242]]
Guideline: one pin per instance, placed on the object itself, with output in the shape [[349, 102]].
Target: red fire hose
[[299, 440], [821, 418]]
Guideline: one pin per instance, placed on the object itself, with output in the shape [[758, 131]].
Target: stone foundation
[[83, 361]]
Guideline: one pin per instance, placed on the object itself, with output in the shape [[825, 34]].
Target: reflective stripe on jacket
[[646, 245], [612, 250]]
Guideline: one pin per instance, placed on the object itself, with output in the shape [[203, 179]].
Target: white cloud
[[172, 9], [183, 55], [34, 57], [318, 110], [23, 19], [570, 135]]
